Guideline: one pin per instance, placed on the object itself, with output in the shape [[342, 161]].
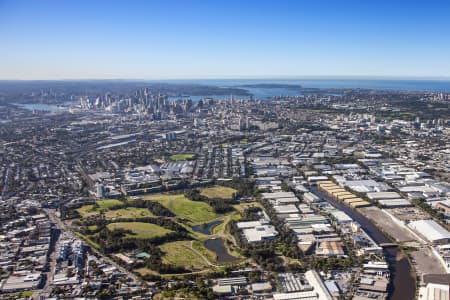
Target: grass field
[[243, 206], [88, 240], [108, 203], [217, 191], [141, 230], [182, 156], [180, 254], [18, 295], [87, 211], [194, 211], [103, 205], [129, 212], [92, 227], [145, 271], [198, 245]]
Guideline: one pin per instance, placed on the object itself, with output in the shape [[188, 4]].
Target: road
[[47, 288]]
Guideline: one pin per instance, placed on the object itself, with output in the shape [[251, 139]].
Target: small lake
[[206, 228], [216, 245]]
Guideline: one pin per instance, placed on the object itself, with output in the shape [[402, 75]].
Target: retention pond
[[222, 256], [206, 228]]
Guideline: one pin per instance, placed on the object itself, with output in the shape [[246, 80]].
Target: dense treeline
[[155, 263], [69, 213], [267, 253], [220, 206], [169, 224], [245, 187], [153, 206], [287, 239], [251, 214], [122, 240], [263, 252], [118, 240], [331, 263], [188, 290]]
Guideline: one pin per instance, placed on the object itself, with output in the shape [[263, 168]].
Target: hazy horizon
[[253, 78], [189, 40]]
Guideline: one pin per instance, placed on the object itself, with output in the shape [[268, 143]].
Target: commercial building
[[383, 195], [22, 283], [431, 231]]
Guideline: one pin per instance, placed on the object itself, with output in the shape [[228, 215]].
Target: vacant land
[[195, 211], [181, 254], [19, 295], [426, 263], [146, 271], [108, 203], [243, 206], [128, 213], [221, 192], [182, 156], [385, 222], [140, 230], [92, 227], [100, 206], [87, 211], [200, 248]]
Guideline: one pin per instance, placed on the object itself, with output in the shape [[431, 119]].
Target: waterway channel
[[403, 285]]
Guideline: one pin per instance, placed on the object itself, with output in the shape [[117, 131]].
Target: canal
[[403, 285]]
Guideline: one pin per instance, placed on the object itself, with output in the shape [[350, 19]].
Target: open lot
[[243, 206], [141, 230], [129, 212], [87, 211], [182, 156], [221, 192], [385, 222], [103, 205], [181, 254], [408, 213], [108, 203], [200, 248], [195, 211], [426, 263], [145, 271]]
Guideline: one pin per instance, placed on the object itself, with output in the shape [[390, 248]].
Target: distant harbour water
[[377, 84], [63, 107], [266, 93]]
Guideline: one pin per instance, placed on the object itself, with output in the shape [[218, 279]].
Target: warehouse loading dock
[[343, 195], [346, 196], [360, 204]]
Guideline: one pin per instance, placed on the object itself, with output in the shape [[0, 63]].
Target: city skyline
[[205, 40]]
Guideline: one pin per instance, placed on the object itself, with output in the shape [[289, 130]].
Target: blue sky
[[188, 39]]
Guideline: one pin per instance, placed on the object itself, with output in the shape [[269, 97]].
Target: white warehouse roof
[[296, 296], [431, 230], [278, 195], [341, 217], [383, 195]]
